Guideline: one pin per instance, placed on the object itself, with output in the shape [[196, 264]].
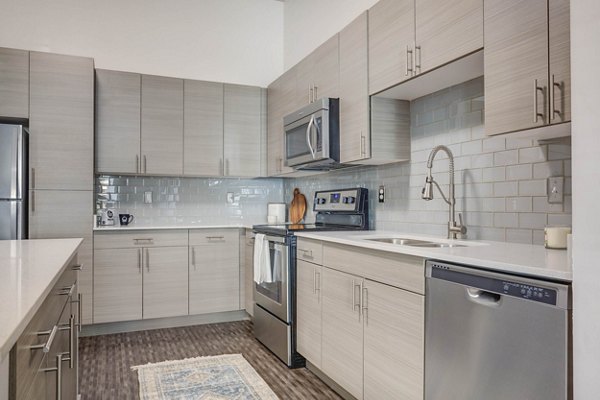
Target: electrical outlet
[[381, 195], [148, 197], [556, 189], [230, 198]]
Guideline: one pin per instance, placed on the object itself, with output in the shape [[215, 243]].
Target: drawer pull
[[215, 237], [306, 253], [58, 369], [67, 290], [71, 328], [79, 308], [46, 346], [77, 267], [144, 241]]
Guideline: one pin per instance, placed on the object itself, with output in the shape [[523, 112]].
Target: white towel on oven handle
[[262, 260]]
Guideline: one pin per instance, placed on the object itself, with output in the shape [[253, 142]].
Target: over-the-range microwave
[[312, 136]]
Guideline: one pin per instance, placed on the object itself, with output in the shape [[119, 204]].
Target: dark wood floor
[[106, 361]]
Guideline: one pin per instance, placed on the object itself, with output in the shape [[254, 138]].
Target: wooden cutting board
[[297, 207]]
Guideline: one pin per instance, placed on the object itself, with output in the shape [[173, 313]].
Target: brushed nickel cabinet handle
[[314, 281], [553, 111], [310, 93], [77, 267], [33, 178], [71, 353], [536, 115], [316, 96], [79, 308], [147, 260], [409, 67], [140, 260], [318, 275], [227, 166], [417, 60], [215, 237], [145, 164], [365, 303], [137, 164], [58, 370], [32, 201], [45, 347], [194, 257]]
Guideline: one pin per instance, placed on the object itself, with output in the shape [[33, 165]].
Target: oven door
[[306, 140], [273, 294]]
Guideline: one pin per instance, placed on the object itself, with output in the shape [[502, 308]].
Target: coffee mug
[[125, 219]]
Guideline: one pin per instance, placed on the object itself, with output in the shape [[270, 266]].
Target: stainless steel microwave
[[312, 136]]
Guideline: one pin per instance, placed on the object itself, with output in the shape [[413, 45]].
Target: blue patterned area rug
[[223, 377]]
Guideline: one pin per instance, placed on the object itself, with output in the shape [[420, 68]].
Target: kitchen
[[500, 180]]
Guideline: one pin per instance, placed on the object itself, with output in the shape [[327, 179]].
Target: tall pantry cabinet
[[61, 154]]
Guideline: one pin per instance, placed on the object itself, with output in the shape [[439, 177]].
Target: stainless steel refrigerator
[[14, 140]]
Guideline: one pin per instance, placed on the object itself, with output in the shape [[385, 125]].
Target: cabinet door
[[214, 277], [308, 305], [203, 128], [560, 59], [515, 57], [281, 100], [342, 340], [394, 342], [305, 72], [326, 73], [55, 214], [447, 30], [162, 125], [165, 282], [391, 33], [354, 91], [243, 125], [61, 141], [117, 285], [14, 83], [249, 276], [118, 102]]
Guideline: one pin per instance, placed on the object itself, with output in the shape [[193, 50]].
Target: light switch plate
[[148, 197], [556, 186]]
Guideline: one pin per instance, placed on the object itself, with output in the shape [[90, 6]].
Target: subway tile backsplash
[[500, 181], [189, 201]]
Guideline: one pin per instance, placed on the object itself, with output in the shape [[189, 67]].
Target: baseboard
[[159, 323], [329, 382]]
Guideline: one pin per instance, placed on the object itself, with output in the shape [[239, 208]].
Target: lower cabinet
[[214, 271], [248, 300], [365, 335]]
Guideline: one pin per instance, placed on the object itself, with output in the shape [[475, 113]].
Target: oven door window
[[273, 286]]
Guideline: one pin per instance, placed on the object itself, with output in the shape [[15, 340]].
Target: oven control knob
[[349, 200], [321, 200]]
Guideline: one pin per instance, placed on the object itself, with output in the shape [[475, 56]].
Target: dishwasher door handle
[[483, 297]]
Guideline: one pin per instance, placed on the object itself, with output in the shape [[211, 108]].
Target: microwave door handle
[[308, 134], [317, 132]]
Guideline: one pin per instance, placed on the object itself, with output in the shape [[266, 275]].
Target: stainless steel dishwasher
[[495, 336]]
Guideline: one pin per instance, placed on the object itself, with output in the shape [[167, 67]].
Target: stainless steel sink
[[416, 243]]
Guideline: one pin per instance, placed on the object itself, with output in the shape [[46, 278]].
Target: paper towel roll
[[555, 237], [276, 210]]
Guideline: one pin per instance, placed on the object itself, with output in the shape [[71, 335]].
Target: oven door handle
[[275, 239]]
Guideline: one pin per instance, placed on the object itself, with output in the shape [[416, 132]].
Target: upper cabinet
[[527, 73], [203, 128], [391, 43], [14, 83], [61, 122], [281, 100], [317, 75], [118, 102], [162, 125], [409, 37], [244, 130]]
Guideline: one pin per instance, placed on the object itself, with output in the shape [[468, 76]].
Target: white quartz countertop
[[134, 227], [29, 270], [522, 259]]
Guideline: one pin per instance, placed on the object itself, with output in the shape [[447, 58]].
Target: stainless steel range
[[275, 267]]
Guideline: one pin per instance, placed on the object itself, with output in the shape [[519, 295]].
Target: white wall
[[238, 41], [308, 23], [585, 58]]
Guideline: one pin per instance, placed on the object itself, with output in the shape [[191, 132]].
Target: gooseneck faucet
[[427, 193]]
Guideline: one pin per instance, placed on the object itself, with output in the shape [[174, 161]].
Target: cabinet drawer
[[212, 236], [309, 250], [122, 240], [403, 271]]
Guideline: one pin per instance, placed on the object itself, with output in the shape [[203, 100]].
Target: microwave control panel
[[338, 200]]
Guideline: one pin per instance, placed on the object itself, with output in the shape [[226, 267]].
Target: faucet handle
[[463, 229]]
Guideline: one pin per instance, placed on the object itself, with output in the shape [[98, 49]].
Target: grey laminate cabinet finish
[[560, 58], [355, 138], [55, 214], [308, 304], [342, 340], [214, 273], [61, 141], [515, 57], [203, 128], [446, 30], [162, 125], [317, 75], [14, 83], [281, 100], [391, 41], [390, 131], [118, 102], [117, 285], [165, 288], [394, 322], [242, 130], [248, 283]]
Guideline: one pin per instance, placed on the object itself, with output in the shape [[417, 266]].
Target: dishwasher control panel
[[494, 284]]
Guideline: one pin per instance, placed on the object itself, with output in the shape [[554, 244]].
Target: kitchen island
[[30, 270]]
